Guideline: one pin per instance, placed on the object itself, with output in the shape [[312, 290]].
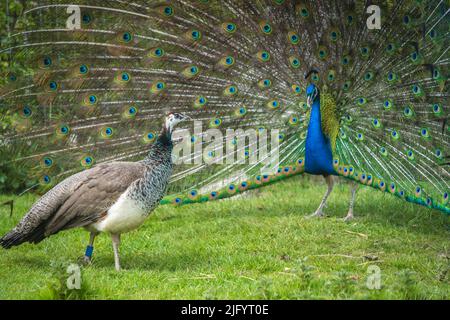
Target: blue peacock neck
[[318, 155]]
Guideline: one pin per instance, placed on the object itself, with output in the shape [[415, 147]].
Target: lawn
[[256, 246]]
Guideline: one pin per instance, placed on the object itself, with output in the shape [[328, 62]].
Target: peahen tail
[[90, 80]]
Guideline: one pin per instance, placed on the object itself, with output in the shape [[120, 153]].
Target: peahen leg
[[330, 184], [90, 248], [116, 242], [349, 215]]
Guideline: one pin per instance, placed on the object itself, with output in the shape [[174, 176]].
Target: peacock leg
[[116, 242], [330, 184], [349, 215]]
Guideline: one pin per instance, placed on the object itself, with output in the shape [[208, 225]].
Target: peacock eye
[[229, 27], [168, 11], [63, 130], [26, 112], [47, 61], [127, 37], [266, 28], [83, 69], [406, 19], [53, 85]]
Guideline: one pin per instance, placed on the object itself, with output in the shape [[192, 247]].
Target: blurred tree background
[[12, 178]]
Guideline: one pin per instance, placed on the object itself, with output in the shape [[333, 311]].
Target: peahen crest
[[78, 94]]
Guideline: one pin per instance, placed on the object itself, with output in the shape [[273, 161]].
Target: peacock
[[114, 197], [350, 89]]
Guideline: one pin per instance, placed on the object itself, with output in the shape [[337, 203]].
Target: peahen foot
[[84, 260], [87, 260]]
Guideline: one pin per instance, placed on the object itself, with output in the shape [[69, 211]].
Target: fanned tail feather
[[97, 93]]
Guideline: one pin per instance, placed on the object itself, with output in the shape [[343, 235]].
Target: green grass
[[259, 246]]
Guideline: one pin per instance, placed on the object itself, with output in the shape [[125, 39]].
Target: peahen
[[114, 197], [336, 94]]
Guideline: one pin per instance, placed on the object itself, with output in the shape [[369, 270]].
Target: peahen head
[[172, 119], [312, 94]]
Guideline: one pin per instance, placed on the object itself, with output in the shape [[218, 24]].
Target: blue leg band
[[89, 250]]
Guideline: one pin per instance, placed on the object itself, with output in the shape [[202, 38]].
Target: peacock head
[[312, 94], [172, 119]]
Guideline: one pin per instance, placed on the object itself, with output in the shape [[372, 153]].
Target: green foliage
[[57, 288], [256, 246], [12, 178]]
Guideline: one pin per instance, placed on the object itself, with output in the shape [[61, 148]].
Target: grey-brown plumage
[[78, 201], [112, 197]]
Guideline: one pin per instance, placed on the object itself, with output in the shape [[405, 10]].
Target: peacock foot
[[349, 217], [316, 214]]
